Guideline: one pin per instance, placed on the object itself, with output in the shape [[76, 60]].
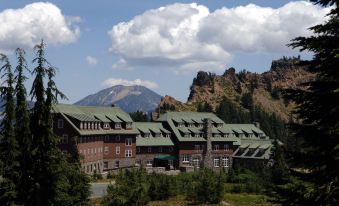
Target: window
[[200, 125], [117, 138], [105, 165], [157, 135], [216, 147], [196, 162], [138, 149], [160, 149], [85, 125], [106, 150], [117, 164], [60, 123], [146, 135], [106, 126], [128, 153], [170, 149], [128, 125], [139, 135], [128, 141], [225, 161], [64, 139], [226, 135], [92, 126], [190, 125], [219, 125], [217, 135], [180, 124], [168, 135], [197, 135], [185, 158], [216, 162], [226, 147], [117, 150], [149, 149], [117, 125], [106, 138], [137, 163], [80, 125], [187, 135], [149, 163]]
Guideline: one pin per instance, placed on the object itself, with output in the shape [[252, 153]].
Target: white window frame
[[128, 141], [117, 138], [60, 123], [186, 158], [149, 149], [225, 161], [128, 125], [216, 162], [106, 150], [197, 147], [128, 153], [196, 162], [117, 125], [149, 163], [216, 147], [168, 135], [117, 150]]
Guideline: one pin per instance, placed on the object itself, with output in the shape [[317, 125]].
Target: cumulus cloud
[[117, 81], [188, 37], [25, 27], [91, 60]]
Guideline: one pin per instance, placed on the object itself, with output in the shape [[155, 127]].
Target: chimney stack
[[257, 124]]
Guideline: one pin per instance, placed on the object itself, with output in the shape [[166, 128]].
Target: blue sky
[[95, 44]]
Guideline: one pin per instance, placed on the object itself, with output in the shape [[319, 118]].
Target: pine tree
[[317, 175], [22, 130], [8, 143]]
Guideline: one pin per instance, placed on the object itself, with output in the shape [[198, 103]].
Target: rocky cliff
[[265, 87]]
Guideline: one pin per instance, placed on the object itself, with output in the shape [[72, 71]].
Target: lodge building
[[107, 139]]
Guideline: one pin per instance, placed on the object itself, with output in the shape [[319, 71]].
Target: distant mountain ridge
[[129, 98]]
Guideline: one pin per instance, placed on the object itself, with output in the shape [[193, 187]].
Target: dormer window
[[146, 135], [81, 126], [180, 124], [197, 135], [85, 125], [106, 126], [129, 125], [190, 125], [117, 126], [219, 125], [157, 135], [187, 135], [241, 134], [168, 135], [200, 125], [216, 135]]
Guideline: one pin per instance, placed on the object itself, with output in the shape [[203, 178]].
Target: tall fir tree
[[316, 181], [8, 144], [22, 130]]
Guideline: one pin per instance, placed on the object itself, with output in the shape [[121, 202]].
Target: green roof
[[165, 157], [193, 117], [262, 149], [94, 114], [151, 140]]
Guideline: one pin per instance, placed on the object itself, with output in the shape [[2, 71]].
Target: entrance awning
[[165, 157]]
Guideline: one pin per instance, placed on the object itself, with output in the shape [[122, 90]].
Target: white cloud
[[188, 37], [91, 60], [117, 81], [26, 26]]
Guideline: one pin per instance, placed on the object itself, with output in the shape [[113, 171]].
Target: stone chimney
[[207, 159]]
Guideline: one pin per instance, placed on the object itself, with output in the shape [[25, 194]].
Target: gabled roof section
[[94, 114], [155, 127]]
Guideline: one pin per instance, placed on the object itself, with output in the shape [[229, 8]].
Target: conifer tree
[[316, 181], [22, 130], [8, 143]]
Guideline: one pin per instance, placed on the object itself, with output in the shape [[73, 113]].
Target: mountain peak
[[129, 98]]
